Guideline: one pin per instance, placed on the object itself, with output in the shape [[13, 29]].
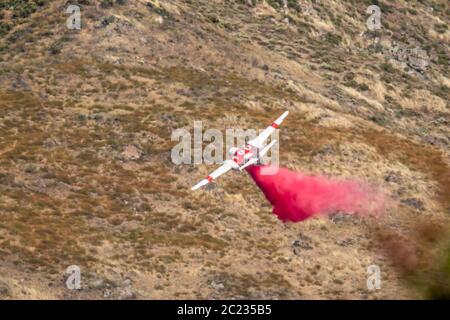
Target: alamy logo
[[374, 21], [74, 20], [374, 278], [73, 281]]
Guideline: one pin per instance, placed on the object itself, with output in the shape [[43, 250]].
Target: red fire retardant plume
[[296, 197]]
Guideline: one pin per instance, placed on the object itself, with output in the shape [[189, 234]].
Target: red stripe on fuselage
[[274, 125], [209, 178]]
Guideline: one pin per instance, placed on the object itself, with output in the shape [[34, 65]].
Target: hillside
[[86, 118]]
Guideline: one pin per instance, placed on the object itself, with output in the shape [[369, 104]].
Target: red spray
[[296, 197]]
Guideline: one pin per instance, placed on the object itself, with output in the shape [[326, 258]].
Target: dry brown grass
[[69, 197]]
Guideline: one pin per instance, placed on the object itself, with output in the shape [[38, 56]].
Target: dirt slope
[[86, 118]]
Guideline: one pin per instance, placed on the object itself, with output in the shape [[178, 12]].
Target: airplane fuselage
[[241, 155]]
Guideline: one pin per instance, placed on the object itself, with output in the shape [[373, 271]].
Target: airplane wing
[[258, 142], [224, 168], [249, 163]]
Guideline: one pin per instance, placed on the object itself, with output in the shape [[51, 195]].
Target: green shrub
[[4, 29], [387, 67], [441, 27], [55, 47], [333, 39], [106, 3]]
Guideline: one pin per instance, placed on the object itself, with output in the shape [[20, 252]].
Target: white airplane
[[246, 156]]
